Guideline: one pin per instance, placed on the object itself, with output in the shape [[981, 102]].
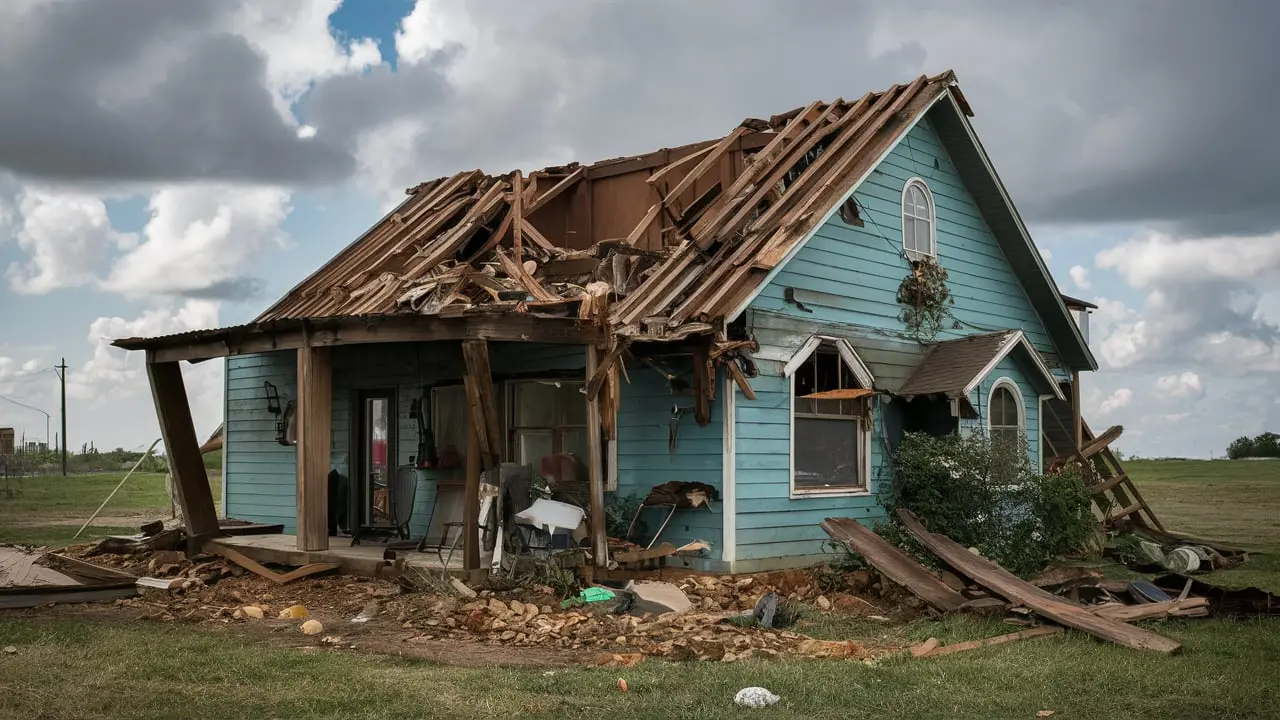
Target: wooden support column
[[182, 450], [471, 506], [315, 403], [1076, 417], [595, 466], [484, 443]]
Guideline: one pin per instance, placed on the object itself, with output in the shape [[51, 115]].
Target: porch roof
[[293, 333], [955, 367]]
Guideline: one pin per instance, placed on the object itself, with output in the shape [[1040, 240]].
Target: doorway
[[375, 458]]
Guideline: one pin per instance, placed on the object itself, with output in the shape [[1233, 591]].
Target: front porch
[[282, 549]]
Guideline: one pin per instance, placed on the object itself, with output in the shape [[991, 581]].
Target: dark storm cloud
[[68, 111]]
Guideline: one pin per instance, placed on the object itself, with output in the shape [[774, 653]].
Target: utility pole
[[63, 375]]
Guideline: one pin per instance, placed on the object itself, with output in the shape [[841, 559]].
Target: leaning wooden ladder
[[1113, 492]]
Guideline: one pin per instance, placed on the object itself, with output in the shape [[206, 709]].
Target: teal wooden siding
[[645, 460], [260, 473], [770, 524], [848, 277]]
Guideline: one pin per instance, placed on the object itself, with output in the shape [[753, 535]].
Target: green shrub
[[984, 494]]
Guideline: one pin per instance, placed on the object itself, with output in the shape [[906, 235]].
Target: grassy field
[[48, 510], [65, 668]]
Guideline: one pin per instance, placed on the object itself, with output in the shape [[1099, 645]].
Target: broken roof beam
[[447, 245], [517, 215], [515, 270], [711, 160], [663, 173]]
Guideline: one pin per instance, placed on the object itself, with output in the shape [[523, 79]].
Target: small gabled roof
[[955, 368]]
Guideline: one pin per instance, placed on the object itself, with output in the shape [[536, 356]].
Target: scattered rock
[[251, 611], [312, 627], [823, 603], [294, 612], [661, 597], [330, 639], [755, 697], [10, 650], [369, 612]]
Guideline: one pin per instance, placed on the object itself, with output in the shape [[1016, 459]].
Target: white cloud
[[66, 235], [1119, 399], [114, 378], [1181, 385], [1156, 259], [199, 239], [1080, 276], [1047, 254], [434, 25]]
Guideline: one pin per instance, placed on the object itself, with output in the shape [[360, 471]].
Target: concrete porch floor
[[362, 559]]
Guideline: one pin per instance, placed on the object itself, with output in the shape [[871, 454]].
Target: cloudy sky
[[173, 165]]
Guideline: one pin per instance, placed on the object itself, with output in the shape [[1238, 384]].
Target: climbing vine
[[927, 299]]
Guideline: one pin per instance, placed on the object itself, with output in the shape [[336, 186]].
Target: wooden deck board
[[281, 549]]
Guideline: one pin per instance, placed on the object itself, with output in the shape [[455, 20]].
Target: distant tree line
[[1266, 445]]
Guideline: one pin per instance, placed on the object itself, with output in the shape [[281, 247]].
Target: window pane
[[909, 233], [535, 404], [996, 411], [532, 446], [1010, 407], [573, 404], [805, 405], [922, 237], [826, 453], [574, 442]]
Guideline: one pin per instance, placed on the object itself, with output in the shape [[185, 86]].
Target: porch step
[[1106, 486], [1128, 511]]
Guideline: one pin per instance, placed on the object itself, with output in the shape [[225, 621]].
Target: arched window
[[1005, 416], [918, 220]]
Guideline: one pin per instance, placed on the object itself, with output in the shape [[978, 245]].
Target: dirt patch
[[522, 626]]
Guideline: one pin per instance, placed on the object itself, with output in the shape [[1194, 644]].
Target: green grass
[[72, 669], [48, 510], [1231, 501]]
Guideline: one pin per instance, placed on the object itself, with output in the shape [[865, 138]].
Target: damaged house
[[756, 319]]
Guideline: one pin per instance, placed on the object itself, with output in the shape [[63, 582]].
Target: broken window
[[1004, 413], [831, 423], [918, 220]]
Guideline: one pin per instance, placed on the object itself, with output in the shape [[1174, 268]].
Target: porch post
[[599, 538], [182, 450], [484, 441], [315, 400], [1076, 417]]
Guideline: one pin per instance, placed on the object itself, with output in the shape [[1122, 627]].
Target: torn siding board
[[891, 360], [850, 275], [770, 524], [644, 459], [260, 474]]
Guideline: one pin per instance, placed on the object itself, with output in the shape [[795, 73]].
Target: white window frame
[[1012, 386], [863, 375], [933, 219]]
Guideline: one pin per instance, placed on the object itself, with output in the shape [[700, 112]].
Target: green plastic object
[[588, 595]]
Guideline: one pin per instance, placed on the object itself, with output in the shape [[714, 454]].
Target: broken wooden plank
[[740, 379], [987, 642], [478, 385], [1101, 442], [261, 570], [516, 271], [1190, 607], [1010, 587], [25, 597], [601, 374], [893, 563], [643, 226], [631, 556], [517, 215], [702, 168], [671, 167]]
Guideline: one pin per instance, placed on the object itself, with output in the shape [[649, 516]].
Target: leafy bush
[[1265, 445], [984, 493]]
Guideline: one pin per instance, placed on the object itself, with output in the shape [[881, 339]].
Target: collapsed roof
[[654, 247]]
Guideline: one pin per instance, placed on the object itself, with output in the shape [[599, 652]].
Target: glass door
[[377, 455]]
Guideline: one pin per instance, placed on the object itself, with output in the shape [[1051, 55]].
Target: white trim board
[[226, 429], [728, 481], [1017, 338], [835, 208], [1011, 385]]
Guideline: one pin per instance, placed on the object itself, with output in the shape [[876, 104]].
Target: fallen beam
[[988, 642], [893, 563], [261, 570], [1015, 590]]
